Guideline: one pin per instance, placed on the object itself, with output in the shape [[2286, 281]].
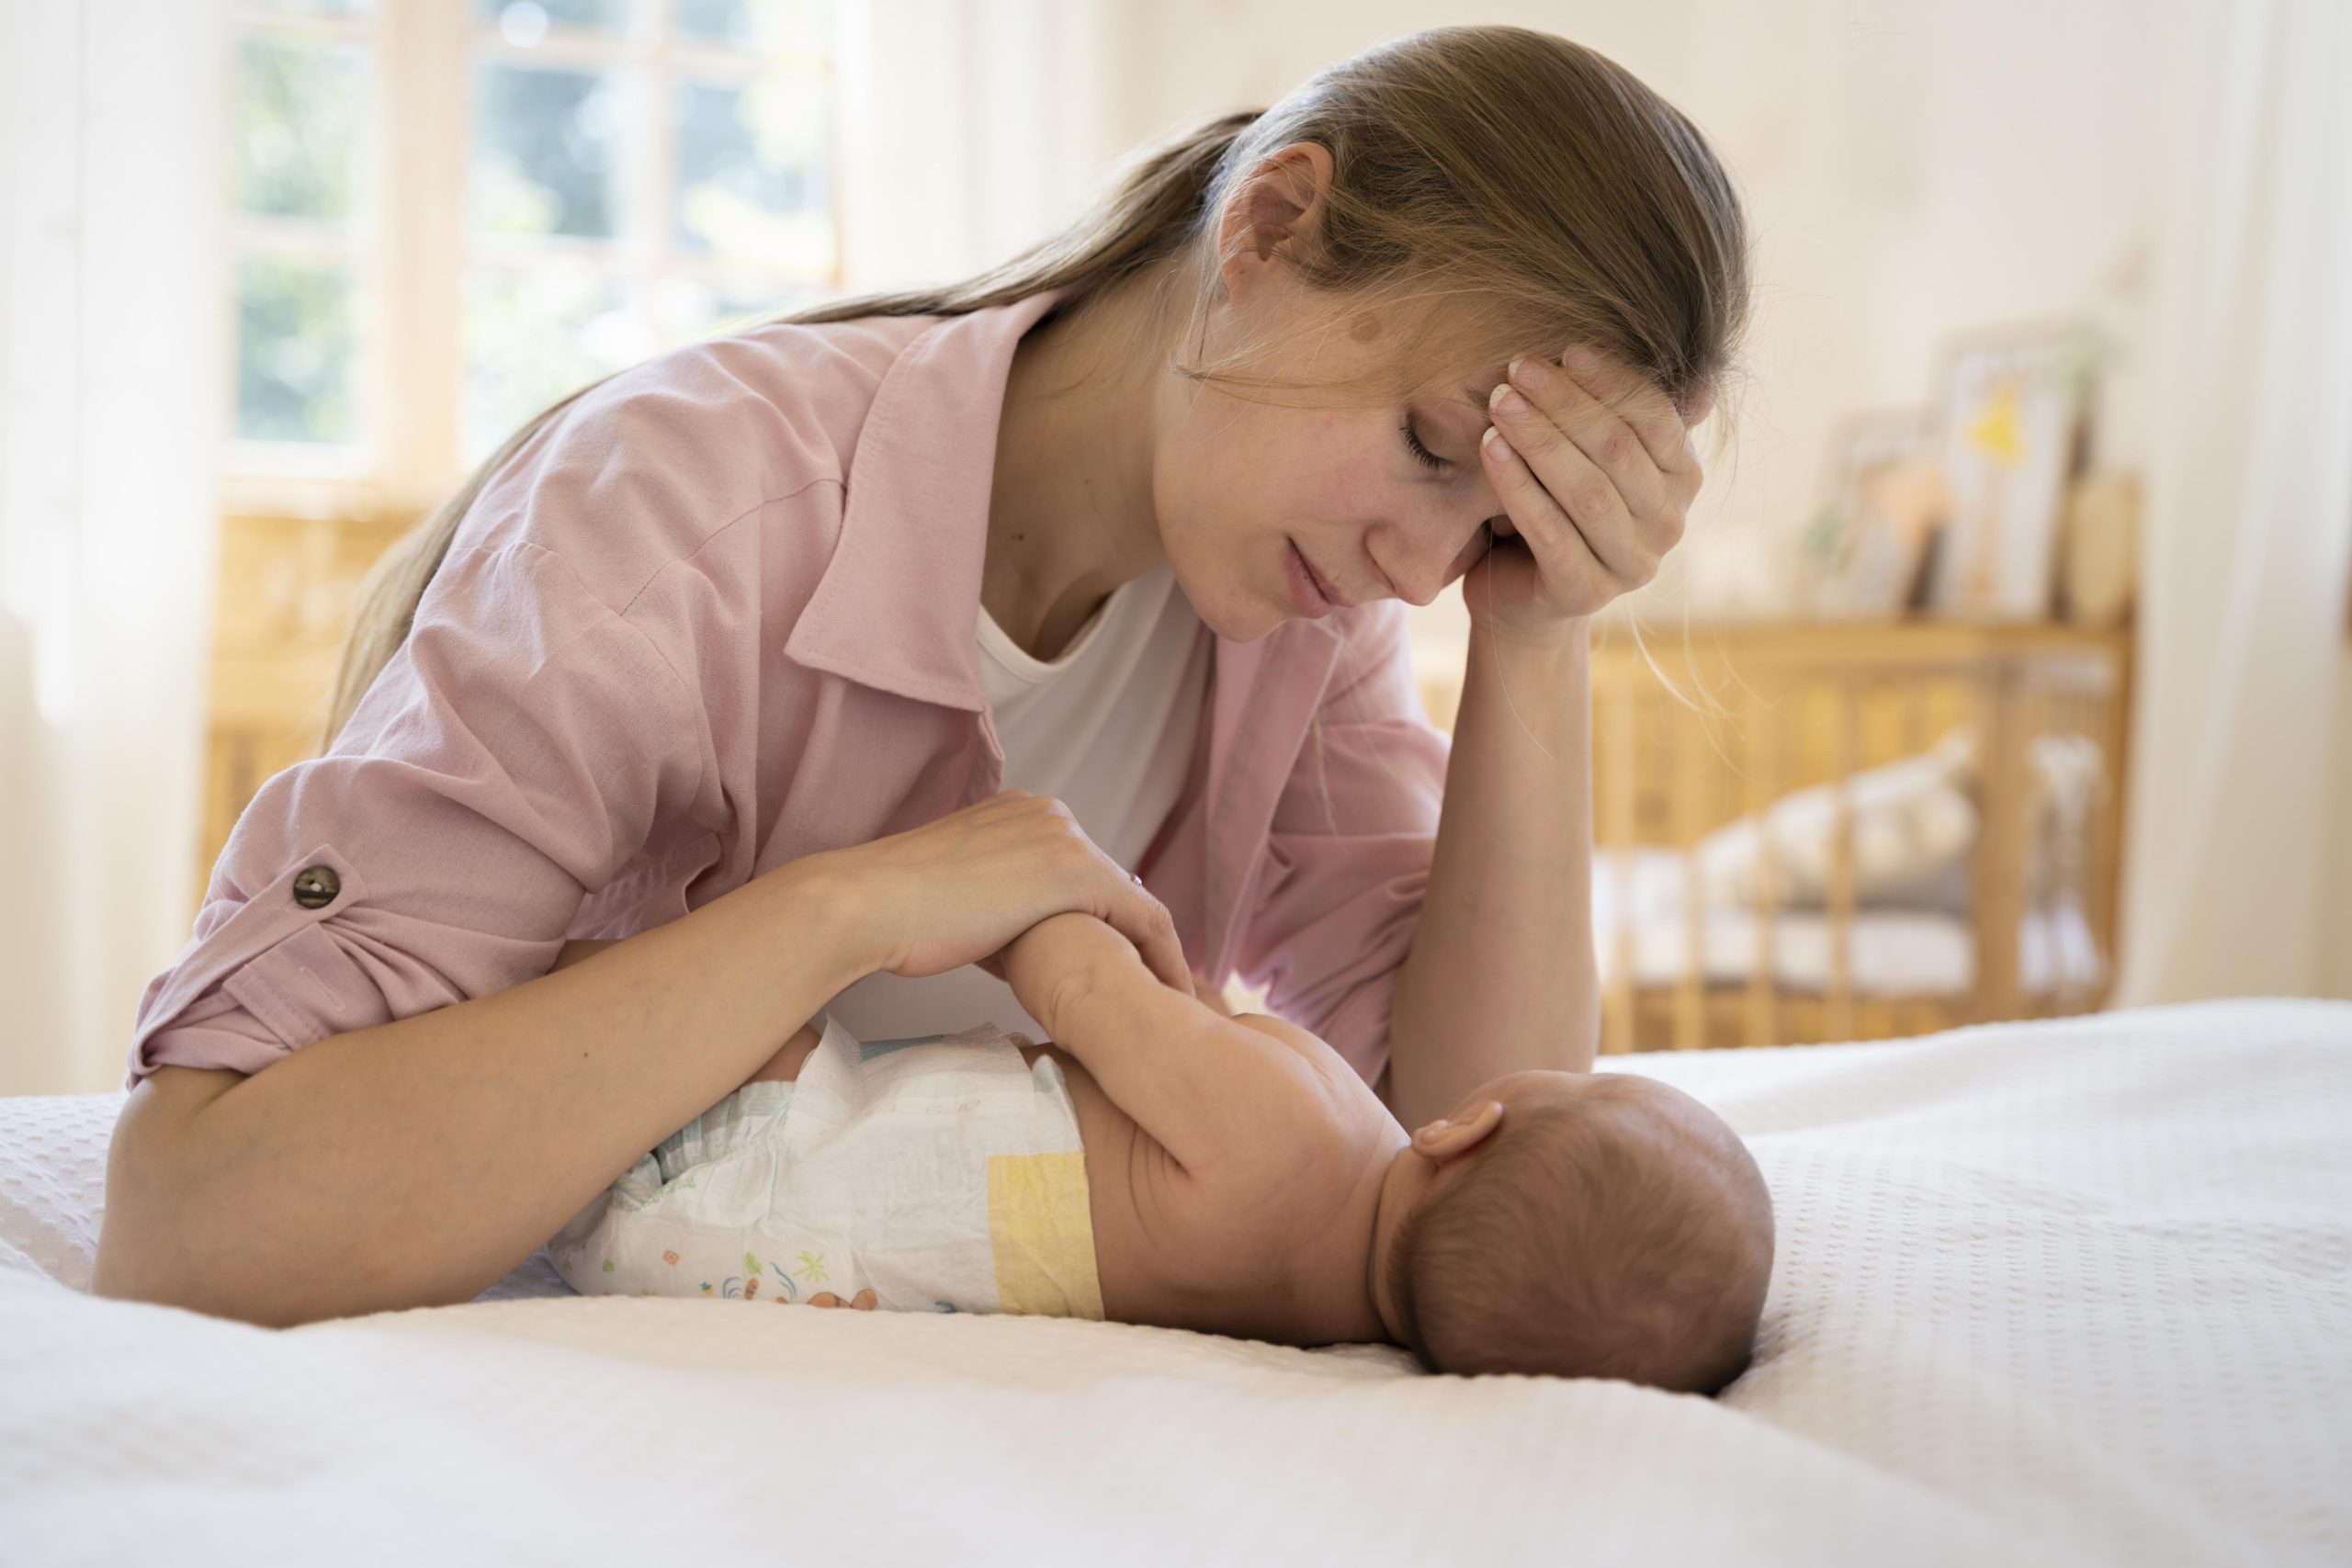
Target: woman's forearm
[[414, 1163], [1502, 974], [574, 951]]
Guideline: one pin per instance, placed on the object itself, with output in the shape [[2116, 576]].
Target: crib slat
[[2037, 720], [1761, 749], [1617, 1000], [2001, 892], [1684, 776], [1841, 868]]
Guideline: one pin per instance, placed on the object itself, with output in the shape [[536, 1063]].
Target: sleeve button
[[316, 888]]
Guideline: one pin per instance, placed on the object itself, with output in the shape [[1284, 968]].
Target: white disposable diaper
[[938, 1174]]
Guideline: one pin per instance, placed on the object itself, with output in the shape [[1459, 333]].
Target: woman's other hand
[[959, 890], [1596, 470]]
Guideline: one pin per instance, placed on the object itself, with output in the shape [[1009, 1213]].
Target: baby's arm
[[1212, 1090]]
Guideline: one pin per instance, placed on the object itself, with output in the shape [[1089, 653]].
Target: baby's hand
[[1000, 963], [1059, 948]]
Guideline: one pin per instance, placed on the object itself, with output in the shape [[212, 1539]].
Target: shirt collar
[[914, 521]]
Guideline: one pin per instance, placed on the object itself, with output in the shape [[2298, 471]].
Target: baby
[[1157, 1162]]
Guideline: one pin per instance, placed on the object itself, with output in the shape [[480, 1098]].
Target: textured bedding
[[2061, 1292]]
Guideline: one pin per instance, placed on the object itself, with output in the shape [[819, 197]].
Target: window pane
[[752, 172], [535, 333], [296, 338], [297, 126], [525, 22], [544, 155], [767, 26]]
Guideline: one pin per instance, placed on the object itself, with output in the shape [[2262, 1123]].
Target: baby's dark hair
[[1594, 1235]]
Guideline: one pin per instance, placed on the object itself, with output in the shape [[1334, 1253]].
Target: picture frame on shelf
[[2011, 420], [1863, 551]]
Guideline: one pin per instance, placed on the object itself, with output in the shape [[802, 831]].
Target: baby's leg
[[785, 1065]]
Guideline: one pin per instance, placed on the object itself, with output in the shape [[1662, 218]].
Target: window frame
[[411, 253]]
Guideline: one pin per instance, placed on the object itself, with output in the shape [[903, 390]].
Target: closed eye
[[1499, 529], [1422, 453]]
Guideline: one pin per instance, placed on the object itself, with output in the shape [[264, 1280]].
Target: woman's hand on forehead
[[1596, 470]]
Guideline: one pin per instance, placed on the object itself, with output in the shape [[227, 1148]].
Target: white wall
[[2335, 940]]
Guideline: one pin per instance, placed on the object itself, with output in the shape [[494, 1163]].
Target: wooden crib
[[1785, 708]]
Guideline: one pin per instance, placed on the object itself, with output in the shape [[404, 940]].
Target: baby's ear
[[1444, 1139]]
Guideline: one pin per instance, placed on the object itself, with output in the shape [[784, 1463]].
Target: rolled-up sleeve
[[515, 753], [1349, 848]]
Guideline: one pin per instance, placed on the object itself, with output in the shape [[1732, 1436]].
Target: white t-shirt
[[1107, 729]]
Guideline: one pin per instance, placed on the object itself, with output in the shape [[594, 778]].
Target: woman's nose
[[1431, 553]]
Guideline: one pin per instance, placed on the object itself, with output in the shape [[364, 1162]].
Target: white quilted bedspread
[[2075, 1290]]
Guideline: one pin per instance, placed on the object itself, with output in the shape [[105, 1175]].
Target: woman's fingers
[[1579, 504], [1153, 931], [1618, 425], [1136, 914], [1549, 565], [1130, 908]]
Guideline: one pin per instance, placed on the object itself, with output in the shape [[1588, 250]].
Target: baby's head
[[1581, 1224]]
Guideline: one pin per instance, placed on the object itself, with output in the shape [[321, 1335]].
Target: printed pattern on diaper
[[707, 1137], [872, 1048], [746, 1285]]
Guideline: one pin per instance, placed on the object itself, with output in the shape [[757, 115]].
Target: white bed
[[2071, 1291]]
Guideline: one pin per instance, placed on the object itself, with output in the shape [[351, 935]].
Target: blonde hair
[[1539, 189]]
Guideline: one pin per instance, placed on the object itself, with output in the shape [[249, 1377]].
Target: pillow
[[2069, 774], [1913, 822]]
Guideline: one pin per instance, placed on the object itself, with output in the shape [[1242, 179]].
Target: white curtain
[[2237, 780], [113, 342]]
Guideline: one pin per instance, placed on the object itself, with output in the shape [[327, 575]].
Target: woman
[[690, 663]]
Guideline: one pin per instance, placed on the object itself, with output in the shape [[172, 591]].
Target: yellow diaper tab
[[1041, 1226]]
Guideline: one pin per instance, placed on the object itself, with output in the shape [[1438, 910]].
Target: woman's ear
[[1699, 404], [1445, 1139], [1281, 199]]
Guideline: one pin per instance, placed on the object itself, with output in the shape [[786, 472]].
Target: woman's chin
[[1253, 619]]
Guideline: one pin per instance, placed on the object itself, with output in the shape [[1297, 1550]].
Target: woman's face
[[1237, 482]]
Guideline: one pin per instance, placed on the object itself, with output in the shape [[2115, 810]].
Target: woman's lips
[[1304, 593], [1325, 585]]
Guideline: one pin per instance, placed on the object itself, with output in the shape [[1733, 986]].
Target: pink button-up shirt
[[719, 614]]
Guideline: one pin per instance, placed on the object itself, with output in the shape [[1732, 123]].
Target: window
[[447, 214]]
